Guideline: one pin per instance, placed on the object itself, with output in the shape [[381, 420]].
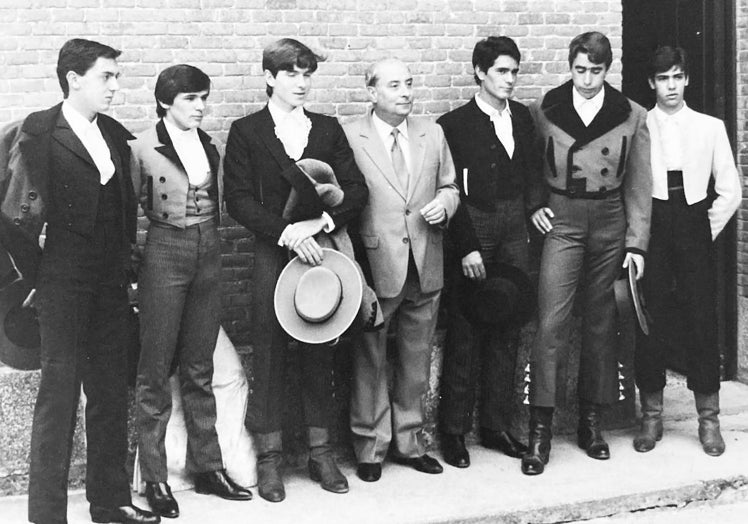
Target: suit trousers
[[180, 308], [584, 250], [680, 271], [375, 419], [268, 382], [82, 325], [474, 355]]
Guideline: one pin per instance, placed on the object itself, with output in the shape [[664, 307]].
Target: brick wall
[[225, 38]]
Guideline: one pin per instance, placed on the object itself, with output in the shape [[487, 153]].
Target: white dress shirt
[[190, 151], [587, 108], [671, 137], [292, 128], [90, 135], [502, 123], [384, 130]]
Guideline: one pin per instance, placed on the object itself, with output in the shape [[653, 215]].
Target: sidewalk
[[574, 487]]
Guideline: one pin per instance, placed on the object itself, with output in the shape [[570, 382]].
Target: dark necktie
[[398, 161]]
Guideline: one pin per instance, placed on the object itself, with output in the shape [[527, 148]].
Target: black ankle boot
[[539, 441], [590, 432]]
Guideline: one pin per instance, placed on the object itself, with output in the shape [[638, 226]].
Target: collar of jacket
[[558, 107], [167, 149]]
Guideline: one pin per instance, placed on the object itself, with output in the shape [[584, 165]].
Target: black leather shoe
[[454, 451], [590, 433], [269, 477], [424, 464], [369, 471], [124, 514], [502, 441], [162, 502], [324, 470], [539, 450], [219, 483]]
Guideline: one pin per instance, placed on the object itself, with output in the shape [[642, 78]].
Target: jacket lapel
[[167, 146], [211, 152], [64, 135], [417, 137], [266, 132], [374, 149]]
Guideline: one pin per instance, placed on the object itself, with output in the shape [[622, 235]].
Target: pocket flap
[[370, 241]]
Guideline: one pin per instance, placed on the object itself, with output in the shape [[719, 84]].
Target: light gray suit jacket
[[391, 223]]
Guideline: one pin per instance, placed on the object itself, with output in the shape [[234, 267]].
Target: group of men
[[590, 169]]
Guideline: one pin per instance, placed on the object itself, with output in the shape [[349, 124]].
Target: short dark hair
[[180, 78], [665, 58], [489, 49], [595, 45], [79, 55], [285, 55]]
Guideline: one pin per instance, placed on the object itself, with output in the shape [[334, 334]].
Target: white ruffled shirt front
[[292, 129]]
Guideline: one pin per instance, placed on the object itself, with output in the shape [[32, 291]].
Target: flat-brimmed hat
[[20, 342], [316, 304], [506, 298]]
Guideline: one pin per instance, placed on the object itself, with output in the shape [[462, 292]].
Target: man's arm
[[239, 181], [637, 187], [727, 182], [352, 182], [444, 205]]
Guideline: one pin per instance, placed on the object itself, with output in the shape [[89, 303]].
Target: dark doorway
[[706, 30]]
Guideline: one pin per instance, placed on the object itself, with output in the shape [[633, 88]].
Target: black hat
[[20, 342], [506, 298]]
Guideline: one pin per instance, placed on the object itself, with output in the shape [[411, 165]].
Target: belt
[[674, 180], [587, 195]]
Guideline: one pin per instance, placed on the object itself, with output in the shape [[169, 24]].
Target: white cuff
[[330, 225]]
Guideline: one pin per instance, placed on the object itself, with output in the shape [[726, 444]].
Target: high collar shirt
[[384, 130], [671, 136], [502, 123], [90, 136], [292, 128], [190, 151], [587, 108]]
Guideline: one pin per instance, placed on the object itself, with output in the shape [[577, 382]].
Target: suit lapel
[[374, 149], [63, 134], [167, 146], [266, 132], [417, 137]]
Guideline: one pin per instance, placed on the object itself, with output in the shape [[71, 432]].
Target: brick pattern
[[741, 19], [225, 38]]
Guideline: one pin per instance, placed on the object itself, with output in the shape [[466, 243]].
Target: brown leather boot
[[650, 431], [322, 466], [710, 436], [269, 458]]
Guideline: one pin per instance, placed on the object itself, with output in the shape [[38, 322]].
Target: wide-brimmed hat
[[506, 298], [316, 304], [20, 342]]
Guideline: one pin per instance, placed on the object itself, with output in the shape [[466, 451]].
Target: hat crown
[[318, 294]]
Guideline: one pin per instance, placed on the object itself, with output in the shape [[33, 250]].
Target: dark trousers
[[482, 356], [82, 322], [180, 307], [268, 381], [680, 271], [584, 250]]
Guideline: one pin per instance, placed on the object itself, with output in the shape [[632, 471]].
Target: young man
[[69, 166], [175, 169], [412, 194], [491, 139], [596, 150], [688, 150], [260, 156]]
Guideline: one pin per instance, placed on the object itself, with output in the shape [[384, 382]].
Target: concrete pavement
[[574, 487]]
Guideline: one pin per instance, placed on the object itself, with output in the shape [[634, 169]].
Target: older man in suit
[[596, 150], [412, 194], [492, 139], [68, 166]]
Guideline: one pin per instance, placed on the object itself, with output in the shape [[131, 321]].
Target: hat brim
[[634, 292], [333, 327], [523, 308], [20, 342]]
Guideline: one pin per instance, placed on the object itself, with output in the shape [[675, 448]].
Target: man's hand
[[541, 219], [298, 232], [472, 266], [309, 252], [434, 212], [30, 300], [638, 261]]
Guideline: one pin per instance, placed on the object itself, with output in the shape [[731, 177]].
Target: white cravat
[[502, 123], [384, 130], [292, 129], [587, 108], [671, 137], [90, 135], [190, 151]]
